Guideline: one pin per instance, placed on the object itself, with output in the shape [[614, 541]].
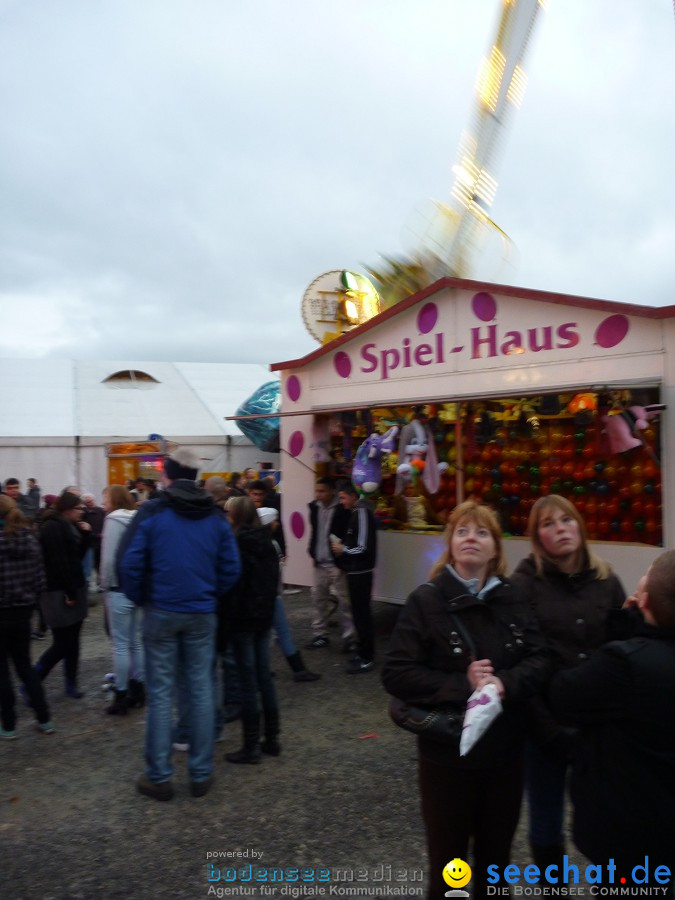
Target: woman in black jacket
[[574, 596], [246, 619], [465, 628], [65, 540], [21, 581]]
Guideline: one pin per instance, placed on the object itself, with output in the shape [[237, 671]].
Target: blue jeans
[[282, 628], [125, 620], [545, 776], [226, 693], [170, 637], [88, 565], [252, 652]]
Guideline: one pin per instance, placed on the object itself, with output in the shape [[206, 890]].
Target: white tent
[[57, 416]]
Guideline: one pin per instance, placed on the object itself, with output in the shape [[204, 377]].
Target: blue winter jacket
[[180, 553]]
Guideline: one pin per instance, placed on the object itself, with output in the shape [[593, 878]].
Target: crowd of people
[[193, 598]]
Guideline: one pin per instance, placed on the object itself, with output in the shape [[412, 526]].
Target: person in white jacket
[[124, 617]]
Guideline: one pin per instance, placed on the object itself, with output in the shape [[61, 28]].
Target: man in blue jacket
[[180, 556]]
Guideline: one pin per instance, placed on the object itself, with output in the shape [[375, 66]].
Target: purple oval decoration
[[296, 443], [611, 331], [484, 306], [293, 388], [427, 318], [297, 525], [343, 364]]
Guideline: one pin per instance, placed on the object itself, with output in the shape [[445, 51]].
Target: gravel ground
[[342, 795]]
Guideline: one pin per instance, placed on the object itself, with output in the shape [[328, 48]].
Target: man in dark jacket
[[356, 555], [328, 517], [181, 555], [623, 776], [13, 491]]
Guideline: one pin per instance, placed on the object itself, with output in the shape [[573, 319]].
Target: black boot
[[250, 752], [136, 696], [120, 704], [271, 745], [72, 690], [300, 673]]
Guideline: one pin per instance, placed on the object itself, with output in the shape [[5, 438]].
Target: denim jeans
[[252, 652], [125, 620], [226, 694], [545, 785], [88, 565], [170, 637], [283, 629]]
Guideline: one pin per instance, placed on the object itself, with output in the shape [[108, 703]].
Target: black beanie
[[174, 470]]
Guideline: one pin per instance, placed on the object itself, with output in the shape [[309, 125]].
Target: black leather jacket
[[429, 655]]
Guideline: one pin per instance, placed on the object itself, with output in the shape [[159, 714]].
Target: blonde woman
[[572, 594], [465, 628]]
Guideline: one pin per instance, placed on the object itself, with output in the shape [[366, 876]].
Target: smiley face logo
[[457, 873]]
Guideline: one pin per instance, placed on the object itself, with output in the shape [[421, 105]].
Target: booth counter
[[516, 391]]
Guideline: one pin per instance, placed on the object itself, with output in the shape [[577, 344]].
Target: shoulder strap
[[459, 625]]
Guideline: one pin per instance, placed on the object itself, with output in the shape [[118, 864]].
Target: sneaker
[[317, 643], [45, 727], [158, 790], [199, 788], [7, 735], [349, 645], [358, 666], [73, 691], [181, 746]]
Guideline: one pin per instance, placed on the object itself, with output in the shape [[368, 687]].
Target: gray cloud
[[174, 174]]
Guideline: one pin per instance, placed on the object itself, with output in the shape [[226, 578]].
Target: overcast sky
[[174, 173]]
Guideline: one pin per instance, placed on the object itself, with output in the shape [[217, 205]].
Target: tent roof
[[60, 398]]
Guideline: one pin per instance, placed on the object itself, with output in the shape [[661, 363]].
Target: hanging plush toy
[[416, 442], [622, 427], [367, 470]]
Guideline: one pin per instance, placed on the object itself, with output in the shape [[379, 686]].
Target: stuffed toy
[[367, 470], [621, 428], [416, 442]]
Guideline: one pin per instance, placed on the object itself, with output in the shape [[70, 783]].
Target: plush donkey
[[367, 470]]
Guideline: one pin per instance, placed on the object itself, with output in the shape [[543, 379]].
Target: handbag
[[442, 723]]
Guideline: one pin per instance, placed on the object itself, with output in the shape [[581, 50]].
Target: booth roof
[[465, 284], [62, 398]]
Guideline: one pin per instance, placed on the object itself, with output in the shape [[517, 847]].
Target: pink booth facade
[[517, 387]]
